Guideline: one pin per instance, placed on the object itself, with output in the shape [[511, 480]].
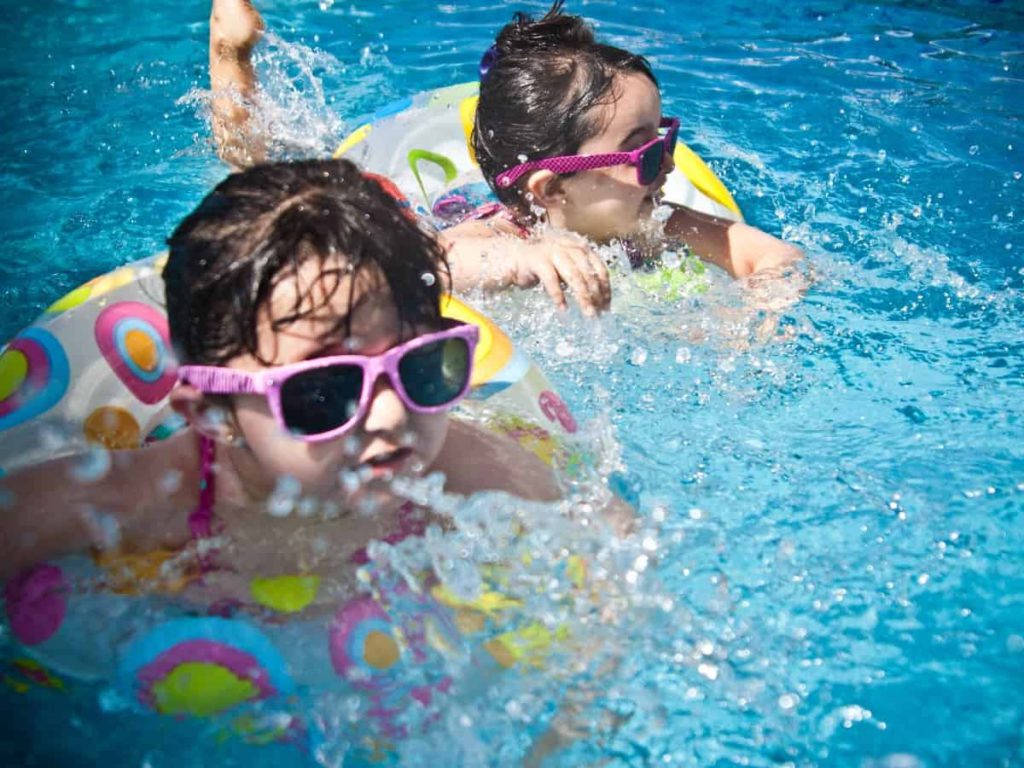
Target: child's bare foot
[[235, 27]]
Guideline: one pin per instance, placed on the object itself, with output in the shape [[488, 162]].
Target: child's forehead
[[327, 298], [634, 99]]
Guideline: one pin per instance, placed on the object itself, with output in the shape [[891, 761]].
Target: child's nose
[[386, 411]]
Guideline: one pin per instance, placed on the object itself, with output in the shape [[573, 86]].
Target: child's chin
[[376, 497]]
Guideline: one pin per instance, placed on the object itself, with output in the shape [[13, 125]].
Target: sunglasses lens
[[320, 400], [651, 162], [435, 374]]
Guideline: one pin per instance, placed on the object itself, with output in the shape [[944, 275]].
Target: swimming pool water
[[836, 487]]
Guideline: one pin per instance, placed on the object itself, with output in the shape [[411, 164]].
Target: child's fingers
[[567, 264], [602, 278], [595, 274], [548, 276]]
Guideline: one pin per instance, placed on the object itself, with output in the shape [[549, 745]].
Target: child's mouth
[[388, 462]]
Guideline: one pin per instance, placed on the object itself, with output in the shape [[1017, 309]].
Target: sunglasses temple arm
[[219, 381]]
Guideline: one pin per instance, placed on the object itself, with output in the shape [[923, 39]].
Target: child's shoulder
[[475, 459]]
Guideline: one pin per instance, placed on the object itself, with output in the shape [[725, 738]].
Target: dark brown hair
[[257, 227]]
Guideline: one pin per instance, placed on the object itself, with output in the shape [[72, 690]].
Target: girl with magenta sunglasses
[[303, 304], [570, 133]]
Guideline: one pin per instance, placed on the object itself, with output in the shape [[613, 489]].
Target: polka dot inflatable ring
[[202, 667], [134, 340], [34, 376]]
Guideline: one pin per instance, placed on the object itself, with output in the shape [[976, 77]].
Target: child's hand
[[556, 262]]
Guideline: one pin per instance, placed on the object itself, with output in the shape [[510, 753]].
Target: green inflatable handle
[[442, 162]]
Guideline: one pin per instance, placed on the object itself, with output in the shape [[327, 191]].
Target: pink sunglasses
[[325, 397], [648, 159]]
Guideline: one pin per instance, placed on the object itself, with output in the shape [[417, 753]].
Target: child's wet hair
[[259, 226], [536, 97]]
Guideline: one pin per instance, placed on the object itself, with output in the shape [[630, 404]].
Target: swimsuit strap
[[200, 522], [497, 209]]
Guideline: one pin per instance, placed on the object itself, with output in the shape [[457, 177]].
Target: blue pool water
[[835, 487]]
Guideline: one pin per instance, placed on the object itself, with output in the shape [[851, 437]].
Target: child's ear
[[545, 188], [208, 418]]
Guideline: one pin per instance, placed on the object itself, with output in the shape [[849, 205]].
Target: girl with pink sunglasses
[[303, 304]]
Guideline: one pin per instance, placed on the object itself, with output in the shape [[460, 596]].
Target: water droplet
[[307, 507], [284, 496], [710, 671], [103, 527], [91, 466], [171, 481], [788, 701], [662, 213], [638, 356], [671, 259]]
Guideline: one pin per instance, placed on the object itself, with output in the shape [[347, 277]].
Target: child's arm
[[58, 508], [738, 248], [489, 256], [474, 459], [235, 27]]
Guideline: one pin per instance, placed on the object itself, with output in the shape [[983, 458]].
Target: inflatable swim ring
[[422, 143], [95, 370]]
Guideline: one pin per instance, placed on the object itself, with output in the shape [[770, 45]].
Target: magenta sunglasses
[[325, 397], [648, 159]]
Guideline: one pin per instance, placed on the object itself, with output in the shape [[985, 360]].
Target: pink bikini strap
[[200, 522]]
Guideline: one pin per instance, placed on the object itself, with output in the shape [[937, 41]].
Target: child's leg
[[235, 27]]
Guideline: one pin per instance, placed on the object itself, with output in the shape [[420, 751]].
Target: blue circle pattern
[[54, 388]]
